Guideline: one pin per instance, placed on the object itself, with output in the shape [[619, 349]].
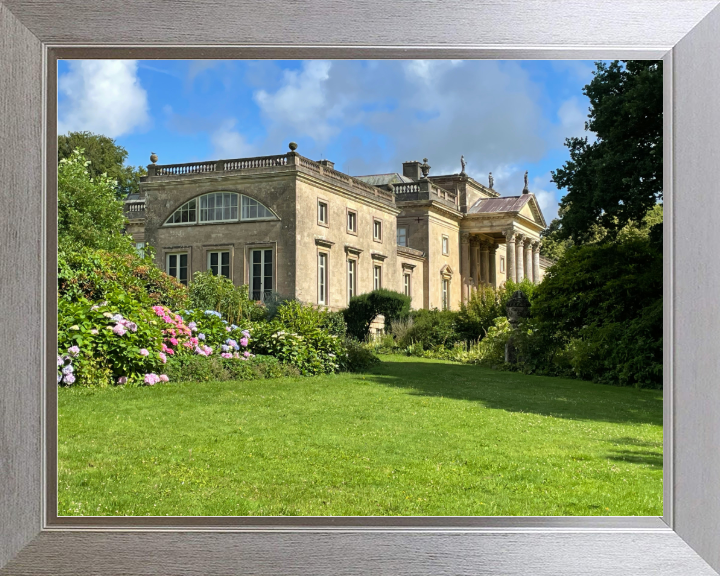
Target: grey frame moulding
[[33, 35]]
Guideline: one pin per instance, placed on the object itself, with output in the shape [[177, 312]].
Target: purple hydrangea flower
[[122, 380], [68, 369], [69, 378], [118, 329], [144, 352], [60, 361], [201, 336], [74, 351]]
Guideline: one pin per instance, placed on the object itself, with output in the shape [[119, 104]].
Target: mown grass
[[410, 437]]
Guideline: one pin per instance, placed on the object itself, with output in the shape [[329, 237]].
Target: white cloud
[[229, 143], [102, 96], [302, 102], [572, 118]]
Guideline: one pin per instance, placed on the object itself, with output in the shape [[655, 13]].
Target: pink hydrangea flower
[[163, 358], [226, 355], [122, 380], [119, 329], [246, 354], [164, 378], [144, 352], [228, 329], [243, 342], [68, 378], [151, 379], [166, 319], [173, 341], [170, 351]]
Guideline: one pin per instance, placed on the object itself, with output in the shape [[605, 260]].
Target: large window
[[377, 277], [219, 207], [186, 214], [261, 273], [406, 284], [352, 278], [402, 236], [219, 262], [176, 266], [253, 210], [322, 278]]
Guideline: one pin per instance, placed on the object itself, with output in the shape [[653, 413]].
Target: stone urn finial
[[153, 157], [425, 167], [292, 146]]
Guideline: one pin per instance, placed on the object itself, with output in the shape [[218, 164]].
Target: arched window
[[220, 207], [253, 210]]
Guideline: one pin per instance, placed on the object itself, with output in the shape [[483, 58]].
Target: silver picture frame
[[34, 35]]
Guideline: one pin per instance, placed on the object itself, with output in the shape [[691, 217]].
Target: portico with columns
[[500, 241]]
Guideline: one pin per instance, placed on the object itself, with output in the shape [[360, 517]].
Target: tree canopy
[[89, 214], [617, 178], [106, 157]]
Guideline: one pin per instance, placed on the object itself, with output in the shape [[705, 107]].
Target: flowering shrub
[[115, 341]]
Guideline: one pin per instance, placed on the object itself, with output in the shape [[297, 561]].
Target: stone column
[[519, 260], [492, 248], [484, 263], [473, 261], [536, 261], [528, 260], [510, 249], [465, 265]]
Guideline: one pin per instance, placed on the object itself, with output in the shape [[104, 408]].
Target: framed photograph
[[36, 539]]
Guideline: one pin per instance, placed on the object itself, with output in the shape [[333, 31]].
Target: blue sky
[[368, 117]]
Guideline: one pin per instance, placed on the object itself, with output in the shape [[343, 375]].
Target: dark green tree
[[617, 178], [106, 157]]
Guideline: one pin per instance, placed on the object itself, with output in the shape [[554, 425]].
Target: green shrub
[[432, 329], [333, 323], [296, 337], [213, 292], [479, 312], [363, 309], [360, 356], [95, 274]]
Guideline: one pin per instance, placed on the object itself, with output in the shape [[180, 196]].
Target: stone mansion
[[298, 227]]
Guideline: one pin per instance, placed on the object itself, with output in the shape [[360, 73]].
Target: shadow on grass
[[515, 392], [653, 459]]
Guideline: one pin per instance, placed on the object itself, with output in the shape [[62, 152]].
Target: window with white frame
[[322, 212], [445, 245], [402, 236], [186, 214], [253, 210], [261, 273], [323, 278], [377, 230], [445, 293], [407, 284], [377, 277], [219, 207], [219, 262], [351, 277], [502, 264], [352, 221], [176, 265]]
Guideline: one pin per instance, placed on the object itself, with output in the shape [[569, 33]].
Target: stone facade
[[300, 228]]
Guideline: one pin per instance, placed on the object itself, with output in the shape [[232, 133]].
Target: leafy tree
[[617, 178], [106, 157], [89, 215]]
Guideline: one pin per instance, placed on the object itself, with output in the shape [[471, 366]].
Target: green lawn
[[410, 437]]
